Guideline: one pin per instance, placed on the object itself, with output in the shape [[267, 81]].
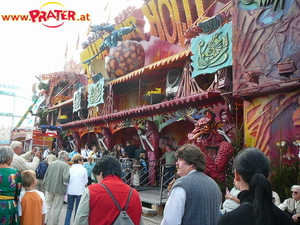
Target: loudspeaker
[[172, 83], [286, 68]]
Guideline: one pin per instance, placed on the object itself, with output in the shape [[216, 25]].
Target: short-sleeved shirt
[[170, 157], [85, 153], [31, 207]]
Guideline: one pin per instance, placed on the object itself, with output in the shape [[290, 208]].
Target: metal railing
[[152, 174]]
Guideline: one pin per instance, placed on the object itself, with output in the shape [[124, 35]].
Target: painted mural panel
[[77, 100], [95, 93], [265, 33], [165, 20], [272, 124], [212, 52]]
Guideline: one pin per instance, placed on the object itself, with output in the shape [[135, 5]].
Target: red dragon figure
[[213, 141]]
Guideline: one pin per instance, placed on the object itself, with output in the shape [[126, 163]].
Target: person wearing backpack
[[40, 174], [41, 170], [97, 205]]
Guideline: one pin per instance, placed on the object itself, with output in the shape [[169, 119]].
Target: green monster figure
[[112, 39], [42, 114]]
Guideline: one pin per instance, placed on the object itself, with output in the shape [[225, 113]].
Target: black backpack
[[123, 218], [41, 170]]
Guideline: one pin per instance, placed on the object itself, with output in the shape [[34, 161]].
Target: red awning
[[179, 57], [146, 109]]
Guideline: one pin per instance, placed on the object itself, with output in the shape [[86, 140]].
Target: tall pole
[[13, 115], [25, 114]]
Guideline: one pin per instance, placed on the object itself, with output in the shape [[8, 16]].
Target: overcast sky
[[29, 49]]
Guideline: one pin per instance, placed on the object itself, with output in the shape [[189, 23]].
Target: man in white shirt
[[85, 152], [20, 161], [94, 152], [46, 152], [292, 205], [195, 198]]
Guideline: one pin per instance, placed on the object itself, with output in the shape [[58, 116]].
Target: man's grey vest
[[203, 199]]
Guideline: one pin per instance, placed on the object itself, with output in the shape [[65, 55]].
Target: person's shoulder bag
[[123, 218]]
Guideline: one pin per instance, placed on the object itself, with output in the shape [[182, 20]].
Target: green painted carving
[[118, 125], [162, 120], [96, 92], [214, 52], [265, 3], [77, 100], [191, 114]]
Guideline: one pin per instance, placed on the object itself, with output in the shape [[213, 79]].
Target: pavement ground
[[149, 220]]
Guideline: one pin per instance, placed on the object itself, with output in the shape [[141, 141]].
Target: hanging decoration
[[212, 52], [126, 57], [111, 40], [95, 93], [37, 104], [77, 100]]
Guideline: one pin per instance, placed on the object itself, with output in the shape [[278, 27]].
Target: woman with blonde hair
[[89, 166], [76, 186]]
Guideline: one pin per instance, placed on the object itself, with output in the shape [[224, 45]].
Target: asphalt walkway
[[153, 220]]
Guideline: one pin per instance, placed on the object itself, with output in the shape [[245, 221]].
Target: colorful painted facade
[[265, 74], [202, 71]]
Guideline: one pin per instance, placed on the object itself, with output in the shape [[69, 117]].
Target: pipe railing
[[154, 174]]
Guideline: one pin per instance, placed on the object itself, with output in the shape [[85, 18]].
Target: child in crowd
[[32, 205], [143, 169], [126, 169], [135, 173], [89, 166]]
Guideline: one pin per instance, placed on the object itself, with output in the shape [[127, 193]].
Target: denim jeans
[[71, 200], [169, 173]]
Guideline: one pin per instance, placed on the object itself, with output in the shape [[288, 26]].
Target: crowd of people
[[35, 185]]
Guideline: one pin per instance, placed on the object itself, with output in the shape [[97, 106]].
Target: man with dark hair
[[85, 152], [130, 149], [170, 158], [96, 205], [195, 198], [47, 152]]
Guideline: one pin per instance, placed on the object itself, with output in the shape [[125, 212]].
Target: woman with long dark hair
[[251, 172], [116, 151]]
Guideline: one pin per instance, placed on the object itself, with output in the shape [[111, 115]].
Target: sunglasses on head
[[294, 192]]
